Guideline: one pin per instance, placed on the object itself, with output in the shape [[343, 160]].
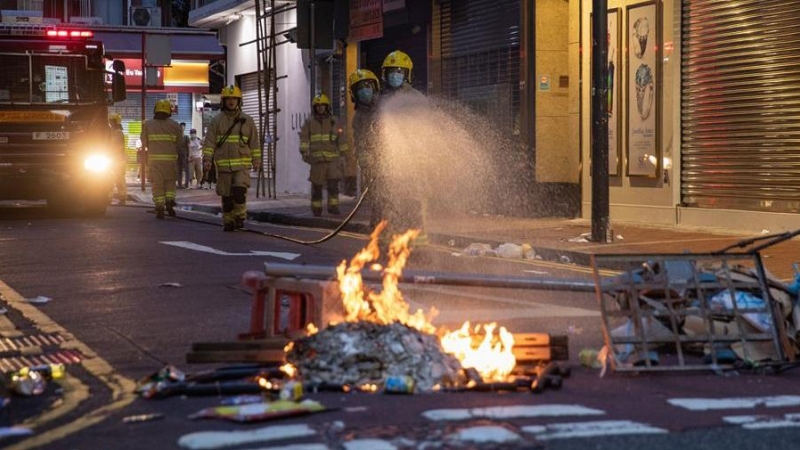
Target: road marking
[[368, 444], [203, 440], [75, 392], [203, 248], [590, 429], [511, 412], [706, 404], [761, 422], [493, 434]]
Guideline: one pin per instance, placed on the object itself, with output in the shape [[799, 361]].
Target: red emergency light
[[70, 33]]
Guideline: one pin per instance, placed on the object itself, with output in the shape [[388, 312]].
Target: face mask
[[395, 79], [364, 95]]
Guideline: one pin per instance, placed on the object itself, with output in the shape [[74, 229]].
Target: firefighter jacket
[[118, 144], [160, 138], [232, 142], [365, 135], [322, 140]]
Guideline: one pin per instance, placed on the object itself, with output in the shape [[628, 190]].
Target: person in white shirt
[[195, 158]]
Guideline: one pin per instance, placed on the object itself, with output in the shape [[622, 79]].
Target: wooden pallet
[[268, 350], [530, 349]]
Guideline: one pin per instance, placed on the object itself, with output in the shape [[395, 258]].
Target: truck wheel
[[95, 207]]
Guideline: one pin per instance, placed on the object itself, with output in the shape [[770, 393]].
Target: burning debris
[[366, 353], [381, 338]]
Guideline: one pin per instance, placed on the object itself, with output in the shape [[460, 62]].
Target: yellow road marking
[[75, 392]]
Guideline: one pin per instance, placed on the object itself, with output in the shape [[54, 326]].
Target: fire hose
[[327, 237]]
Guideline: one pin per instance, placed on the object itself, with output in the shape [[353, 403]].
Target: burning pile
[[381, 338], [365, 353]]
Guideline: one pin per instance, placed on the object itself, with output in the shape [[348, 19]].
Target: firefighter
[[364, 93], [118, 147], [322, 145], [396, 73], [160, 137], [231, 142], [404, 211]]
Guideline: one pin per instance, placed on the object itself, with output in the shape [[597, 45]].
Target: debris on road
[[38, 300], [259, 412]]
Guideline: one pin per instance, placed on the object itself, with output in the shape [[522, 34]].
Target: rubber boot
[[159, 212], [317, 211], [171, 208], [228, 226]]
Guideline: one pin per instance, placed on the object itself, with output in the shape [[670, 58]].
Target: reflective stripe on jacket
[[322, 140], [241, 146], [160, 137]]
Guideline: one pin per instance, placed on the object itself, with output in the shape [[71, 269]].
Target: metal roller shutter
[[741, 105], [249, 86], [480, 55]]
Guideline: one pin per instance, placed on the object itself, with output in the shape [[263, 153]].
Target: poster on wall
[[643, 34]]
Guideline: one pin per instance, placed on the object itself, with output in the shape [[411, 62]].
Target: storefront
[[183, 81]]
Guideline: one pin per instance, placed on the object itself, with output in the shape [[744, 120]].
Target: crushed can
[[292, 390], [397, 384]]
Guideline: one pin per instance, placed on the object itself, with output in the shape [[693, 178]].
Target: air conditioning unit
[[144, 16]]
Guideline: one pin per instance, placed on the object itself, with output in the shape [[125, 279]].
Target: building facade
[[702, 105]]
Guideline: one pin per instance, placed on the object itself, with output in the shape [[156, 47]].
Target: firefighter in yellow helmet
[[322, 145], [118, 148], [404, 211], [160, 137], [396, 73], [232, 143], [365, 93]]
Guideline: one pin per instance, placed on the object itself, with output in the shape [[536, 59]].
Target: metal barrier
[[692, 312]]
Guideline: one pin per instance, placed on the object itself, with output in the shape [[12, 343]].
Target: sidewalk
[[555, 239]]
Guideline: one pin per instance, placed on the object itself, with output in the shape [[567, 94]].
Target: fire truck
[[55, 91]]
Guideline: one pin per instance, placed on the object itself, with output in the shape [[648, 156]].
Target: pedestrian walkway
[[557, 239]]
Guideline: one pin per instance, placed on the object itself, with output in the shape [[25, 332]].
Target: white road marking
[[202, 248], [294, 447], [368, 444], [220, 439], [706, 404], [511, 412], [485, 434], [590, 429], [761, 422]]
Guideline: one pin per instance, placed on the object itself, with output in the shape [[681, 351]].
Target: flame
[[289, 370], [492, 357]]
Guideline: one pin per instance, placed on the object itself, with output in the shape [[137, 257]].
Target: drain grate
[[66, 357]]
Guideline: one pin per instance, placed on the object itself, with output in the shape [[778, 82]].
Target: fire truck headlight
[[97, 163]]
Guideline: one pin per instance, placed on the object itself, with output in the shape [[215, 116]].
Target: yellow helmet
[[398, 59], [115, 118], [321, 99], [231, 91], [163, 106], [361, 75]]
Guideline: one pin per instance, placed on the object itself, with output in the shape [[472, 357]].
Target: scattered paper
[[38, 300], [171, 284]]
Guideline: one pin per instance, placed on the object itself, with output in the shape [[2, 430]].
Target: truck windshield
[[48, 79]]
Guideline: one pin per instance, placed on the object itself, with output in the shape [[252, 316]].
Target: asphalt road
[[136, 292]]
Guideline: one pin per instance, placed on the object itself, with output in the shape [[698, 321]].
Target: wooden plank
[[261, 356], [260, 344]]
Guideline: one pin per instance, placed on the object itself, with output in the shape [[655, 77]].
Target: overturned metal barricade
[[712, 311]]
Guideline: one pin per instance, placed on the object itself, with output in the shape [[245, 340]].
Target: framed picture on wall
[[613, 99], [643, 81]]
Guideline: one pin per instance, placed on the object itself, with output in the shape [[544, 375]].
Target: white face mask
[[395, 79]]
